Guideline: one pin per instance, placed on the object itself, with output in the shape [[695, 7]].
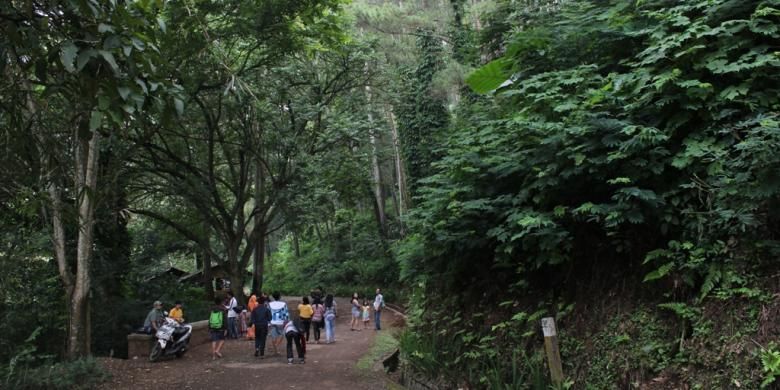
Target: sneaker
[[289, 361], [302, 361]]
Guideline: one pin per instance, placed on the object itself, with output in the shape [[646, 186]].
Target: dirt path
[[327, 366]]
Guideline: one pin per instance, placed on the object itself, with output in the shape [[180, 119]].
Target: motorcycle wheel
[[156, 353]]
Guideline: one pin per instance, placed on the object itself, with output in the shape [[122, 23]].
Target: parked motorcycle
[[172, 338]]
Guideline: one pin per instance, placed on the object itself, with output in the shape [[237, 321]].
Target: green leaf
[[488, 77], [68, 53], [110, 59], [102, 28], [124, 92], [95, 120], [659, 273], [84, 57], [179, 104]]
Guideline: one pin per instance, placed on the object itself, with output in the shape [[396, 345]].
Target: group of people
[[264, 316], [155, 316]]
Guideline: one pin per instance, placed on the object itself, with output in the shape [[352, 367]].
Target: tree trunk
[[86, 177], [208, 279], [403, 195], [296, 245], [379, 194]]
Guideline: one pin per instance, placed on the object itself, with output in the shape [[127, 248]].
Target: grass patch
[[384, 343]]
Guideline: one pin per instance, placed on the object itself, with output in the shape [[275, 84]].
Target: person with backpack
[[318, 318], [217, 327], [292, 331], [260, 318], [232, 315], [279, 315], [379, 304], [330, 319]]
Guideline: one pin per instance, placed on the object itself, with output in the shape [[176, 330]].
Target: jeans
[[377, 314], [232, 329], [306, 325], [294, 337], [261, 332], [330, 323], [317, 326]]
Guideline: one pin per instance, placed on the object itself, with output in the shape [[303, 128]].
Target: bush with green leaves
[[618, 137]]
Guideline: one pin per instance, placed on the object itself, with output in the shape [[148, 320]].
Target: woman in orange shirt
[[250, 332]]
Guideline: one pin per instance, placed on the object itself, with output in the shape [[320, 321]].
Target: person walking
[[279, 315], [330, 319], [355, 304], [305, 312], [292, 331], [260, 318], [232, 324], [217, 327], [318, 318], [379, 305], [250, 331]]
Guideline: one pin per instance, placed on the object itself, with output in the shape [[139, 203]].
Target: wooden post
[[551, 347]]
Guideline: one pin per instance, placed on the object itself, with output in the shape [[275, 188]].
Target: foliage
[[622, 133], [770, 362]]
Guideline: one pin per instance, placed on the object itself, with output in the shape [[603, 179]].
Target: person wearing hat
[[154, 318]]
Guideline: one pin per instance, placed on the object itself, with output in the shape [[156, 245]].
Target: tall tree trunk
[[208, 279], [296, 244], [86, 177], [379, 194], [259, 230], [400, 171]]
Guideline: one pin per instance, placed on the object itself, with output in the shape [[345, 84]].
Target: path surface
[[327, 366]]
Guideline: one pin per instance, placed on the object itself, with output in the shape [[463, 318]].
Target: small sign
[[548, 327]]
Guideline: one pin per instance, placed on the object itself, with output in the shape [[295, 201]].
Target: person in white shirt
[[279, 315], [232, 315], [379, 304]]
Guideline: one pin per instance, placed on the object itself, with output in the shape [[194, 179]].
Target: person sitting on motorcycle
[[177, 313], [154, 318]]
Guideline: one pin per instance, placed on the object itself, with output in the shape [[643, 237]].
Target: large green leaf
[[489, 77], [68, 55]]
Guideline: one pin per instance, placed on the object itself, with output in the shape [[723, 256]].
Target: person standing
[[305, 312], [330, 319], [318, 318], [260, 318], [379, 305], [217, 327], [292, 331], [232, 316], [355, 303], [279, 315], [154, 318]]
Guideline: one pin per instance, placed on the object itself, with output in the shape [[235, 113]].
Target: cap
[[157, 303]]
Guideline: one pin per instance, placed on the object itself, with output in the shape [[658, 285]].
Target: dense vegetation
[[611, 163]]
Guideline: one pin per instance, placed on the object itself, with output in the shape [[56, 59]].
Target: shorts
[[217, 335], [277, 331], [355, 313]]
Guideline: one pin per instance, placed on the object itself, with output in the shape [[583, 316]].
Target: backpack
[[318, 312], [215, 320], [330, 313]]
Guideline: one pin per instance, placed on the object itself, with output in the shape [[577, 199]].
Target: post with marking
[[551, 347]]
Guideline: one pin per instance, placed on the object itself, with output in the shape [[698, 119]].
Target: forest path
[[330, 366]]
